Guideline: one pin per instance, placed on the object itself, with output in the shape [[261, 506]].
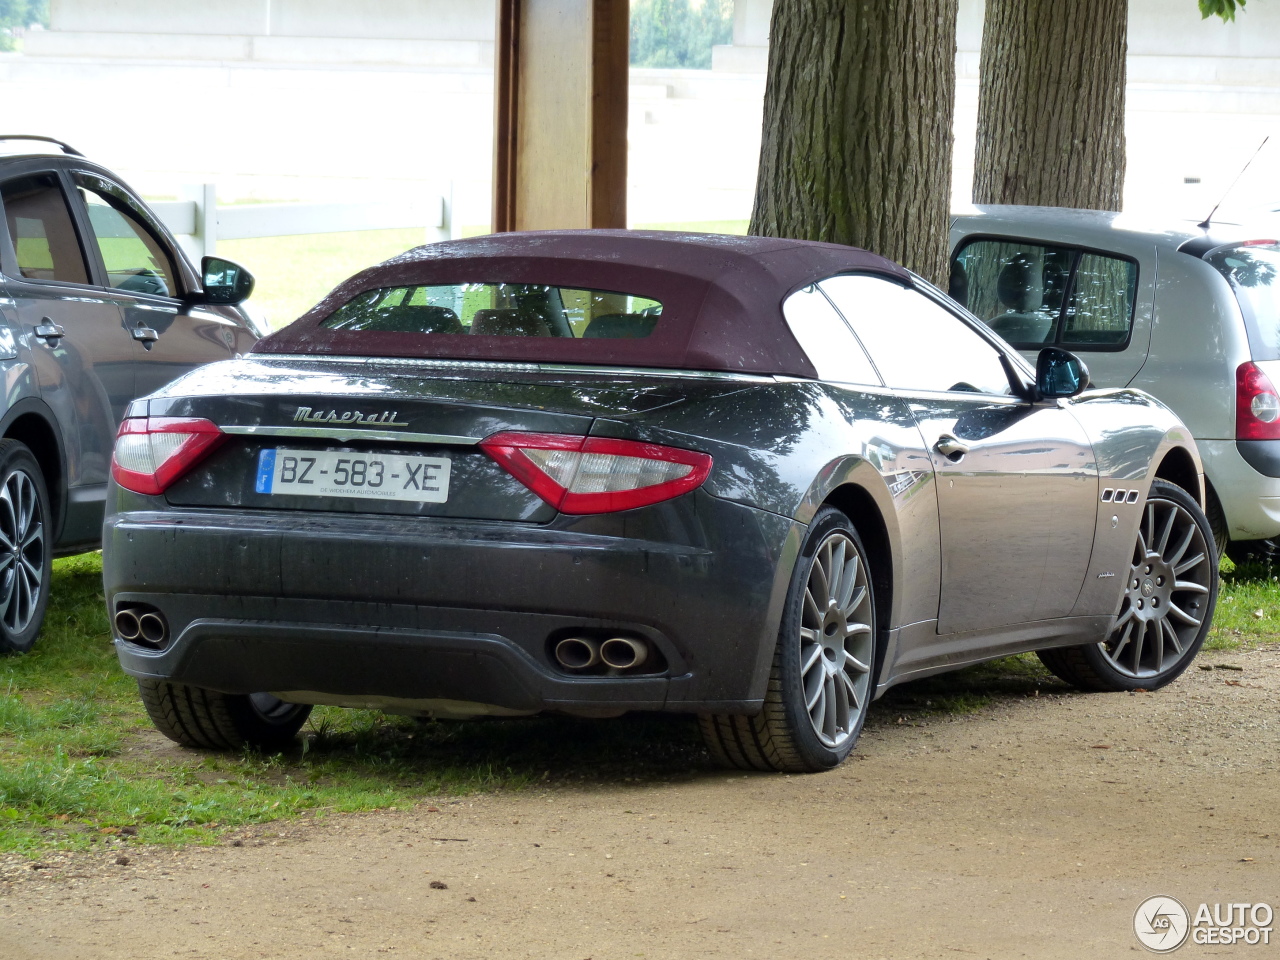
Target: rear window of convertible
[[499, 310]]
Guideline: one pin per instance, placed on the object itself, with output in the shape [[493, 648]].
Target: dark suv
[[98, 306]]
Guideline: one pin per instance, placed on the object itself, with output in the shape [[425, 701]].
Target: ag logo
[[1161, 924]]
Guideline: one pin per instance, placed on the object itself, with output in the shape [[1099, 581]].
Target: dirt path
[[1032, 828]]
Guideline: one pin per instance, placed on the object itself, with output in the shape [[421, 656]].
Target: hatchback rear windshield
[[1253, 270], [499, 310]]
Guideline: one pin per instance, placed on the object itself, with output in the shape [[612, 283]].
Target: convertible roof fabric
[[721, 295]]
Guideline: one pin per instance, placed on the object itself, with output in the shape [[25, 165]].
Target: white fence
[[199, 223]]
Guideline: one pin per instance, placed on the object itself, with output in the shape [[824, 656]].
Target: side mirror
[[1060, 373], [223, 282]]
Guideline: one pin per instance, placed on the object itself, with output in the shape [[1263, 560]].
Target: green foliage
[[678, 33], [1226, 9], [17, 14]]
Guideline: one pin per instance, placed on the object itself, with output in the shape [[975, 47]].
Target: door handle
[[48, 330], [951, 448], [144, 334]]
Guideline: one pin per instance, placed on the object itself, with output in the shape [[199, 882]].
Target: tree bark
[[858, 111], [1051, 104]]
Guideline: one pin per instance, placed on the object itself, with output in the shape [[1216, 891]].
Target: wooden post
[[560, 130]]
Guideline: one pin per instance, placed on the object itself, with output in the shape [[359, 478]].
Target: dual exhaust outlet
[[618, 653], [142, 625]]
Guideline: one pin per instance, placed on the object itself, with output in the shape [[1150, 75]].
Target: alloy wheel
[[1166, 593], [22, 551], [836, 640]]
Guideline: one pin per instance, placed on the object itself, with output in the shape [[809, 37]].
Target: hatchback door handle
[[145, 334], [49, 330], [951, 448]]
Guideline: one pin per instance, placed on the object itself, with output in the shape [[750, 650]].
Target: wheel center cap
[[1148, 587]]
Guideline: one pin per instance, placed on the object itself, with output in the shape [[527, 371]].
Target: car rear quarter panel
[[1132, 434]]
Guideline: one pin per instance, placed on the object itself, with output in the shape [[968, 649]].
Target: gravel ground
[[1031, 828]]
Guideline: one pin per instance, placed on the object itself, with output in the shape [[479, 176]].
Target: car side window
[[134, 259], [44, 238], [1035, 294], [915, 343], [826, 339]]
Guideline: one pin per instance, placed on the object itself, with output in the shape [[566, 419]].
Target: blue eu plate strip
[[266, 470]]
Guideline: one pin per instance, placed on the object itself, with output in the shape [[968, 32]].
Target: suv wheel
[[25, 556], [820, 685], [1169, 597]]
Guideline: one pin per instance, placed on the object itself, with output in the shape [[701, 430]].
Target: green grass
[[79, 758]]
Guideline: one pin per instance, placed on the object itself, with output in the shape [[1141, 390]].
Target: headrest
[[509, 322], [621, 326]]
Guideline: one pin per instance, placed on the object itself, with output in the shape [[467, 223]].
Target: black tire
[[1173, 533], [26, 548], [1217, 523], [1247, 552], [195, 717], [832, 649]]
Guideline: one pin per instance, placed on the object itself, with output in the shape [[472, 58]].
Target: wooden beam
[[560, 114]]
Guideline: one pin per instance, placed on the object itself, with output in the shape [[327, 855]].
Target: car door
[[82, 355], [1017, 483], [1035, 294], [140, 271]]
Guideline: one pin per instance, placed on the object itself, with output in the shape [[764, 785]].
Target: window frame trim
[[1078, 251]]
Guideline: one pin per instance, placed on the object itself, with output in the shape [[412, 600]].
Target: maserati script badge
[[387, 418]]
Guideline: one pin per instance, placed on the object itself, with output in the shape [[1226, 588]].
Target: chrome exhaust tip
[[577, 653], [127, 625], [624, 653], [153, 629]]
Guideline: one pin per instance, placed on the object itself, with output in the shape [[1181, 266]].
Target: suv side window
[[134, 259], [44, 239], [826, 339], [915, 343], [1034, 294]]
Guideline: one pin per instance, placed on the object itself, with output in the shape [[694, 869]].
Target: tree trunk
[[1051, 104], [858, 111]]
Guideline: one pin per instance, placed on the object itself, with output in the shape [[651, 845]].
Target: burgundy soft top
[[721, 297]]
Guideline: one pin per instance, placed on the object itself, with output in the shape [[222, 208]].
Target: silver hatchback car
[[1190, 315]]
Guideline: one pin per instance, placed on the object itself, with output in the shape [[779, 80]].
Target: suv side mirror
[[1060, 373], [223, 282]]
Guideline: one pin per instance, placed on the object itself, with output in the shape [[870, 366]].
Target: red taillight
[[1257, 404], [152, 452], [597, 474]]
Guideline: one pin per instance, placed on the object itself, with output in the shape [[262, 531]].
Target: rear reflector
[[1257, 404], [597, 474], [152, 452]]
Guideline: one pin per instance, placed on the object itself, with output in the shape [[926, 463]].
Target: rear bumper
[[395, 611]]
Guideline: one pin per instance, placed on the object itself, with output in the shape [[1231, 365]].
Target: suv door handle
[[48, 330], [144, 334], [951, 448]]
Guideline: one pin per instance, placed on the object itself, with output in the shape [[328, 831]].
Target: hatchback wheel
[[1169, 597], [196, 717], [25, 558], [820, 685]]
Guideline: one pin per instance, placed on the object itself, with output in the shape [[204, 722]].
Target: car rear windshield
[[498, 310], [1253, 270]]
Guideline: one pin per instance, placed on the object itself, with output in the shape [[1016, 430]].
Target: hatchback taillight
[[597, 474], [152, 452], [1257, 404]]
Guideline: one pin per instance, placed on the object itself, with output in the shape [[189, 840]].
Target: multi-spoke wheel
[[24, 547], [821, 682], [1168, 601]]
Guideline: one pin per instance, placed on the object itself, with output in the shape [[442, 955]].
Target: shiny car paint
[[449, 608]]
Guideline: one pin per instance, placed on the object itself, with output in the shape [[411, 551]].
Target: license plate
[[330, 473]]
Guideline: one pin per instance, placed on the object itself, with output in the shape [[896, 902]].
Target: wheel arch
[[30, 422], [857, 503], [1180, 468]]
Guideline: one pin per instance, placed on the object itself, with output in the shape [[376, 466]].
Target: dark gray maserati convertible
[[756, 480]]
